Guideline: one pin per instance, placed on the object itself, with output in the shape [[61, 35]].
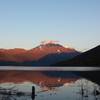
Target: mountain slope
[[89, 58], [50, 59], [44, 54]]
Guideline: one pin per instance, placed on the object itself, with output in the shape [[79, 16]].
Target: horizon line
[[38, 45]]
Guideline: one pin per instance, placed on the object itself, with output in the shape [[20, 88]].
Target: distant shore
[[48, 68]]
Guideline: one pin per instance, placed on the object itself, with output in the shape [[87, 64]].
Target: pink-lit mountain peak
[[51, 43], [44, 49]]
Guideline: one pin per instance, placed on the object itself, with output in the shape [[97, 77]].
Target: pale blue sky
[[25, 23]]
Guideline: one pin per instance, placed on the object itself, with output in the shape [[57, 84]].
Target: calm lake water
[[49, 85]]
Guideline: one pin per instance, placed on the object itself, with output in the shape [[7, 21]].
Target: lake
[[50, 84]]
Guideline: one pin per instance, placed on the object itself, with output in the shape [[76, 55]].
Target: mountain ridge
[[21, 56], [88, 58]]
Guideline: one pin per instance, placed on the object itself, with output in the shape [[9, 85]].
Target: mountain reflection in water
[[51, 85]]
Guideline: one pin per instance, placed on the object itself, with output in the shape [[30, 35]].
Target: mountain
[[42, 55], [88, 58]]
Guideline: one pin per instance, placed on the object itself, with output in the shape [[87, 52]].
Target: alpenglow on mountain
[[43, 55]]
